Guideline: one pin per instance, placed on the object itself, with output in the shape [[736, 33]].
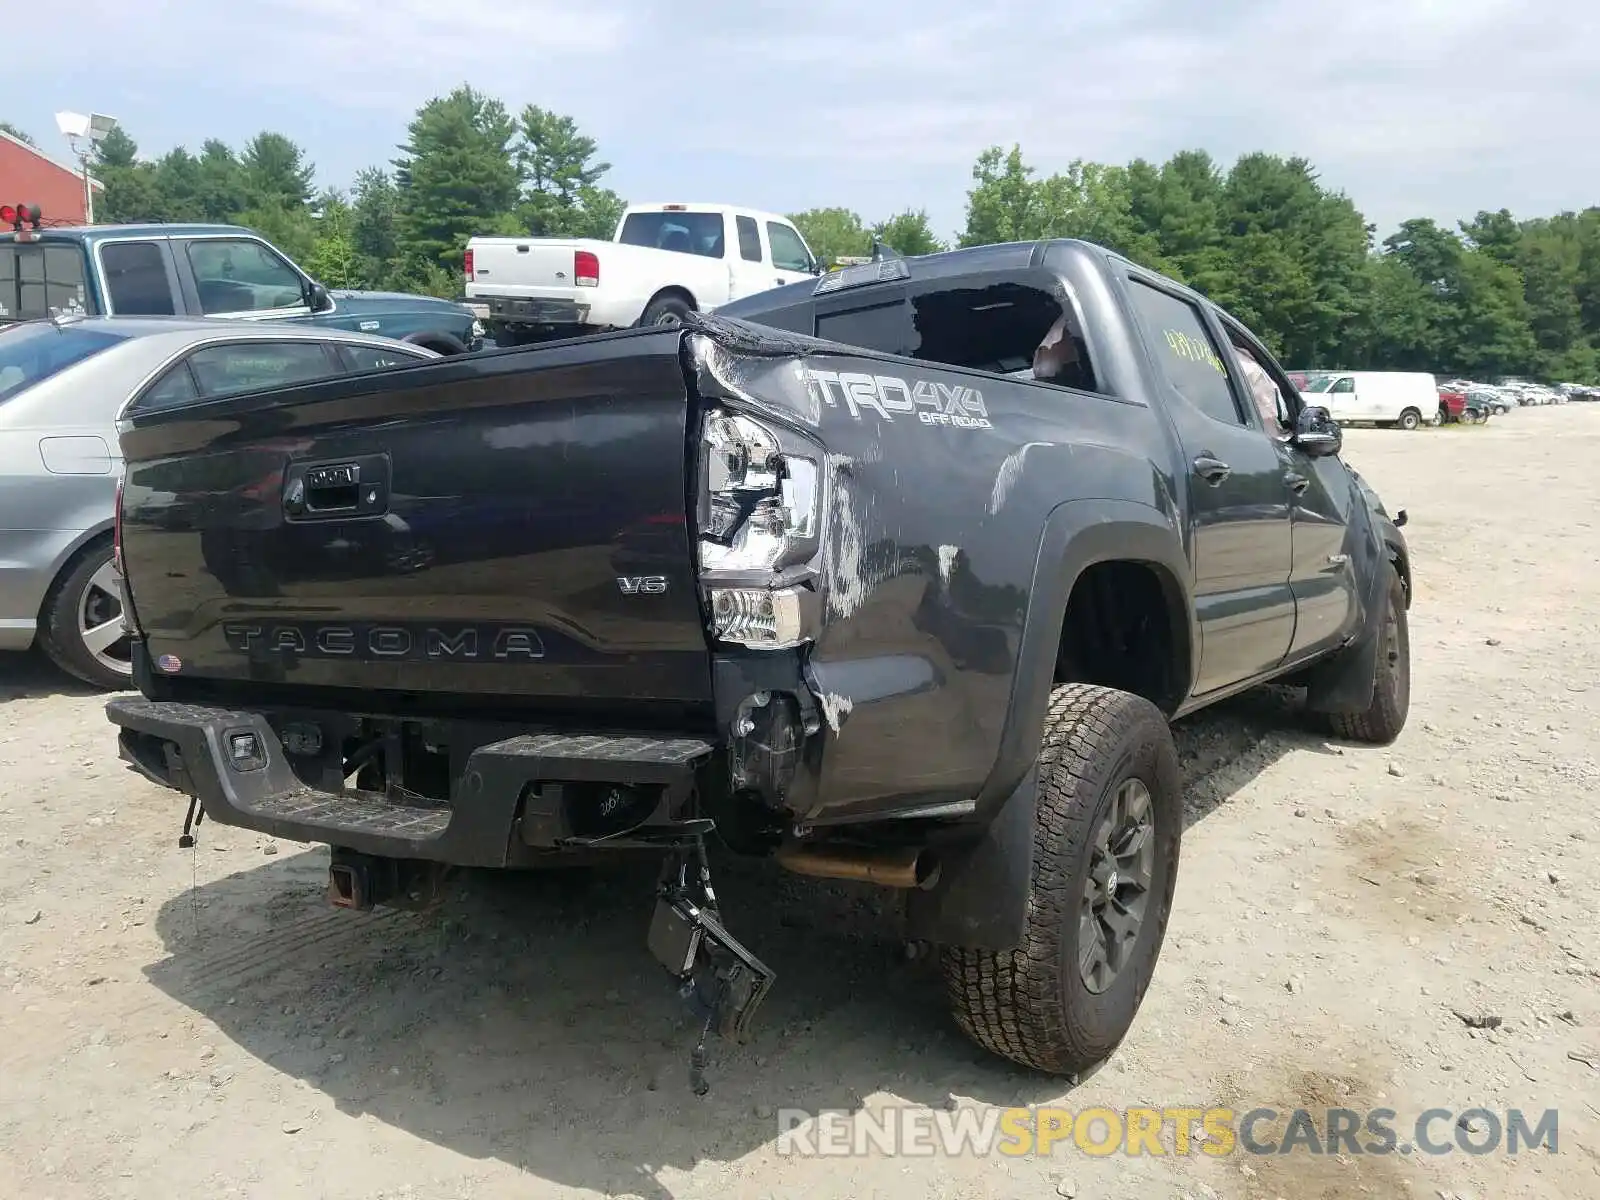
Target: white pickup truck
[[664, 261]]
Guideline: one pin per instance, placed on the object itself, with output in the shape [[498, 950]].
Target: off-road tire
[[1410, 419], [60, 636], [666, 310], [1031, 1004], [1383, 719]]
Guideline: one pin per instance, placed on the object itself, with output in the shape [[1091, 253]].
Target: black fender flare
[[1344, 682], [437, 339], [981, 897]]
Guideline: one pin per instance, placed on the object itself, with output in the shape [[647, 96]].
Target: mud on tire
[[1035, 1004]]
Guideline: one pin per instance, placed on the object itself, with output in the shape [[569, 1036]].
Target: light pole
[[83, 134]]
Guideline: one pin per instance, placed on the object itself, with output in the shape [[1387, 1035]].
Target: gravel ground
[[199, 1023]]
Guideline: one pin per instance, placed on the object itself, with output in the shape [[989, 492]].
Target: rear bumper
[[513, 800], [533, 310]]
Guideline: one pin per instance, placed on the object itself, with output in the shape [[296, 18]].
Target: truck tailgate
[[468, 526], [513, 266]]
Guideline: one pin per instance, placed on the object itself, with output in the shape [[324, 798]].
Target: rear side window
[[880, 327], [136, 279], [250, 366], [175, 389], [30, 354], [375, 358], [788, 251], [685, 232], [749, 239], [41, 279], [1185, 353], [1008, 325]]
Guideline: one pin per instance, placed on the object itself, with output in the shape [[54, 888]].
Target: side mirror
[[1316, 433], [317, 298]]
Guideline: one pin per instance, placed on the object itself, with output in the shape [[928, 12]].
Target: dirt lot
[[199, 1024]]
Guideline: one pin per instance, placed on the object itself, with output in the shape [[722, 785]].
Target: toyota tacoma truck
[[198, 271], [665, 261], [898, 575]]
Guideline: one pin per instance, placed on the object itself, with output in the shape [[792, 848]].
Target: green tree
[[833, 233], [561, 174], [8, 127], [1002, 205], [334, 261], [179, 185], [455, 177], [373, 232], [906, 232], [222, 190], [131, 192], [276, 174]]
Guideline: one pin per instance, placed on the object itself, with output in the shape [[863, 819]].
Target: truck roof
[[97, 233], [694, 206]]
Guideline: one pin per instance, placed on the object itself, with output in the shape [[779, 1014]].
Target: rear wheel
[[80, 626], [666, 310], [1105, 861], [1410, 419], [1385, 716]]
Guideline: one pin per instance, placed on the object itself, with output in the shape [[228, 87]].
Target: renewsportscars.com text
[[1176, 1130]]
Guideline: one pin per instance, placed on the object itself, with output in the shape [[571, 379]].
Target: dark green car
[[202, 270]]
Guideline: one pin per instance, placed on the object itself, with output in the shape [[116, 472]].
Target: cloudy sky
[[1432, 107]]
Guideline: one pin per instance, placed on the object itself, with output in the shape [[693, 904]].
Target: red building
[[30, 176]]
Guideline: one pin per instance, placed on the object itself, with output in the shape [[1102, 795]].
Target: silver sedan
[[62, 385]]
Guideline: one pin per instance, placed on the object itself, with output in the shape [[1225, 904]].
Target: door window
[[1343, 387], [136, 279], [1269, 389], [789, 252], [1185, 353], [749, 239], [375, 358], [249, 366], [239, 275]]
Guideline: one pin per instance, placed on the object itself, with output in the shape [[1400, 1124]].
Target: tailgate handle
[[357, 487]]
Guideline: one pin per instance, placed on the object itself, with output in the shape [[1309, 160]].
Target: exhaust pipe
[[911, 868]]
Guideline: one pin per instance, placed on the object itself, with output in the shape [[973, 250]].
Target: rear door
[[1239, 502]]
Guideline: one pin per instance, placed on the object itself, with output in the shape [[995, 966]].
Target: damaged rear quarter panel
[[931, 542]]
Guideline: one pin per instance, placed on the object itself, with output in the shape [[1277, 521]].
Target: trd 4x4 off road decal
[[955, 405]]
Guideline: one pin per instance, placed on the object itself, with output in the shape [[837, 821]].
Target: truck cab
[[198, 271]]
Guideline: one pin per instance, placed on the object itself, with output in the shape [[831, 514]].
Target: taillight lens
[[586, 268], [759, 512], [467, 266]]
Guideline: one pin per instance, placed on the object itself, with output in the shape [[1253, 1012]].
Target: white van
[[1403, 398]]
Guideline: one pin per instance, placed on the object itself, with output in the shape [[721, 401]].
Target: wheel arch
[[437, 340], [1080, 535], [674, 290], [64, 560]]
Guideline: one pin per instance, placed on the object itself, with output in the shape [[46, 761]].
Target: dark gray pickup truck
[[896, 576]]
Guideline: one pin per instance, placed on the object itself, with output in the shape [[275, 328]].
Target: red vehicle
[[1454, 407]]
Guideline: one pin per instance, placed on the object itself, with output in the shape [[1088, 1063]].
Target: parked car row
[[1410, 399]]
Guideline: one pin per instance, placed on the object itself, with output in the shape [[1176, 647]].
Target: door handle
[[355, 487], [780, 281], [1212, 470], [1297, 483]]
